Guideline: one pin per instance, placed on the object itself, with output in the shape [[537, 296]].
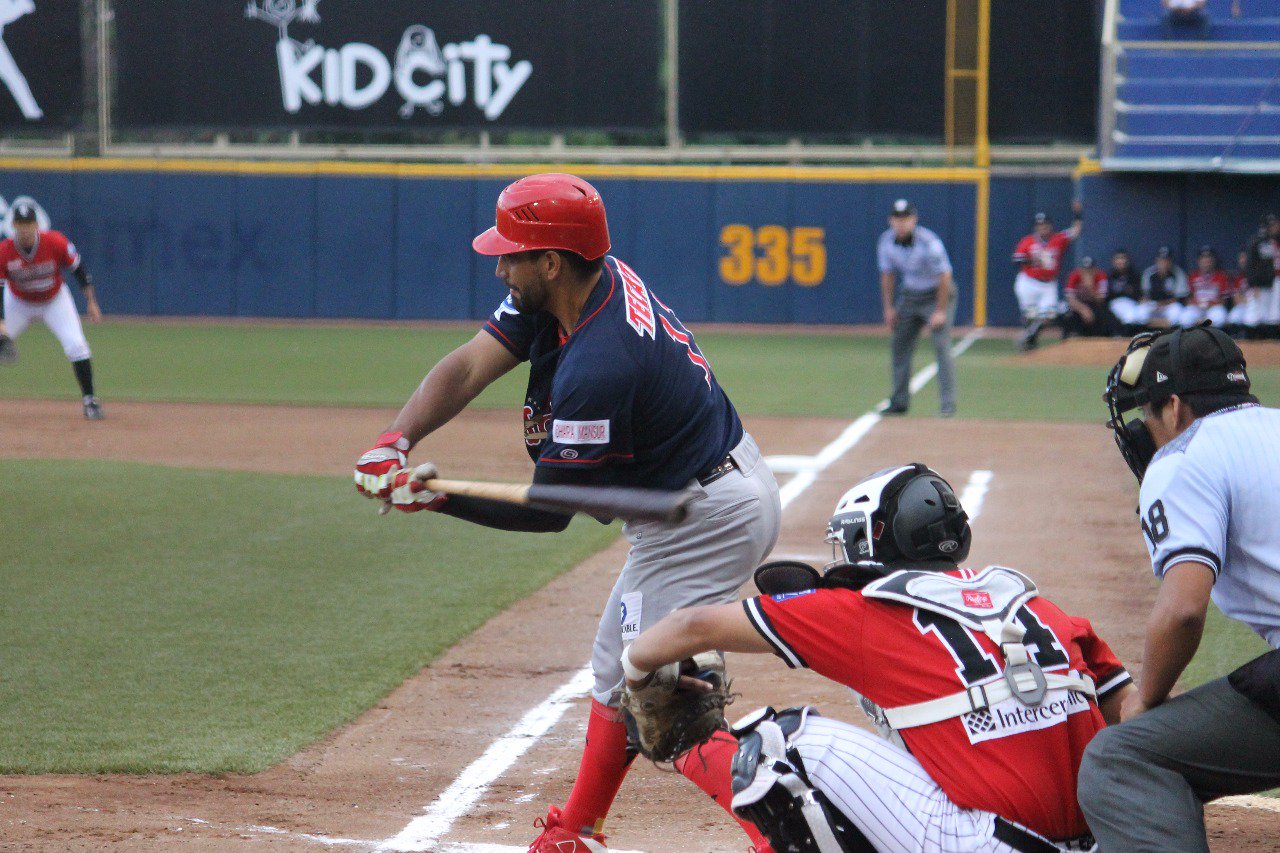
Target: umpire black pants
[[1143, 784]]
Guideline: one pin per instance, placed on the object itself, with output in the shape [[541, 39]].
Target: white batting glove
[[409, 492]]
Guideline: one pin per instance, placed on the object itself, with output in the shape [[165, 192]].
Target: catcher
[[985, 694]]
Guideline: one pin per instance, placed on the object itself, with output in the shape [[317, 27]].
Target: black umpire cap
[[1164, 252], [902, 207], [24, 213], [1201, 358]]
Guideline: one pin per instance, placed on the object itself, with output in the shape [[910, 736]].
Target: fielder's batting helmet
[[550, 211], [903, 514]]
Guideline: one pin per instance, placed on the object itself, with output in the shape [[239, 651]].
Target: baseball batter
[[31, 264], [1208, 458], [619, 393], [984, 692], [1039, 256]]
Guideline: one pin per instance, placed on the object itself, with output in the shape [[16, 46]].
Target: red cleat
[[556, 839]]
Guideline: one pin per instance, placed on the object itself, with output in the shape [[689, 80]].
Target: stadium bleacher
[[1192, 98]]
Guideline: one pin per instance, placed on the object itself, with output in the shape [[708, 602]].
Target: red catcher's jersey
[[1041, 259], [1209, 289], [37, 277], [1020, 763]]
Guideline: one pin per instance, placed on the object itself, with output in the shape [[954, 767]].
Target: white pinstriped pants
[[887, 793]]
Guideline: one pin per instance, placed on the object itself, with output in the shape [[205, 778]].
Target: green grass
[[770, 373], [1226, 645], [213, 621], [163, 620]]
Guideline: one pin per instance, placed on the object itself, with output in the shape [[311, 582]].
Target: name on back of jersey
[[639, 308]]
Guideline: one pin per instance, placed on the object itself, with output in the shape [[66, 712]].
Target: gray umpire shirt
[[917, 265], [1210, 497]]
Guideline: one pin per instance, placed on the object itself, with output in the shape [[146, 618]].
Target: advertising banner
[[545, 64], [40, 64]]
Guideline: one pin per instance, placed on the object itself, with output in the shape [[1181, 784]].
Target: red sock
[[604, 765], [708, 767]]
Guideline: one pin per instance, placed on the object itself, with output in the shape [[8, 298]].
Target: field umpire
[[1208, 458], [918, 293]]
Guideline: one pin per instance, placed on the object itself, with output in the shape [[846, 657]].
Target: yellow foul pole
[[982, 160]]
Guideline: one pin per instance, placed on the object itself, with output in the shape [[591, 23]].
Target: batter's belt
[[717, 472]]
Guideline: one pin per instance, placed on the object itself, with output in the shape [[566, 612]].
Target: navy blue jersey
[[628, 393]]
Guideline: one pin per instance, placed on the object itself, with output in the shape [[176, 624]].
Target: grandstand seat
[[1198, 105]]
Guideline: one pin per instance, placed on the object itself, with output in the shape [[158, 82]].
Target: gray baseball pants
[[914, 308], [1143, 783], [732, 525]]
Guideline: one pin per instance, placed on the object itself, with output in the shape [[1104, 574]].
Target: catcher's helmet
[[1158, 365], [903, 514], [550, 211]]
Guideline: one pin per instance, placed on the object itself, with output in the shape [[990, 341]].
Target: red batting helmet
[[552, 211]]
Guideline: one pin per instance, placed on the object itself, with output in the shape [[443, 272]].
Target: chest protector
[[987, 603]]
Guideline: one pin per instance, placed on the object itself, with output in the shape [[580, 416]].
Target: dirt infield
[[1104, 352], [367, 781]]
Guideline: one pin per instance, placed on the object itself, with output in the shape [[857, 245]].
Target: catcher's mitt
[[8, 351], [666, 718]]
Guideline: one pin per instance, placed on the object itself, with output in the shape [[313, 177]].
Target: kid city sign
[[424, 74]]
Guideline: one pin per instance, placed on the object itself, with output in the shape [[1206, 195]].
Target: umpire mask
[[903, 514], [1158, 365]]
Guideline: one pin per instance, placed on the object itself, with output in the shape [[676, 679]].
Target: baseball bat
[[615, 501]]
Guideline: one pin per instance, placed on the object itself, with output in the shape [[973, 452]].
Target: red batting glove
[[410, 494], [377, 467]]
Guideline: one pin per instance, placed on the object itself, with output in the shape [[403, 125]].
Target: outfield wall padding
[[1142, 212], [396, 246]]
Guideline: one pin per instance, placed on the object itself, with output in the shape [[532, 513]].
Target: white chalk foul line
[[466, 790], [425, 830], [975, 492], [460, 847], [807, 475]]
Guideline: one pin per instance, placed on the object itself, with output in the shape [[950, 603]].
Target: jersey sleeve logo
[[639, 309], [507, 307], [580, 432]]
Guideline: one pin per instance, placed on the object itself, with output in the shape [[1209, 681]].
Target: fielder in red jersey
[[985, 694], [1039, 257], [37, 276], [31, 264]]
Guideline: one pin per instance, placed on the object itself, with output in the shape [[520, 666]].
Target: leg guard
[[772, 790]]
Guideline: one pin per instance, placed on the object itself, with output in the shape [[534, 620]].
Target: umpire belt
[[1026, 841], [717, 472]]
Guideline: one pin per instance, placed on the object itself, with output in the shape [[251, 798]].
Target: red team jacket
[[1041, 259], [37, 278], [1209, 289], [1017, 762], [1099, 286]]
